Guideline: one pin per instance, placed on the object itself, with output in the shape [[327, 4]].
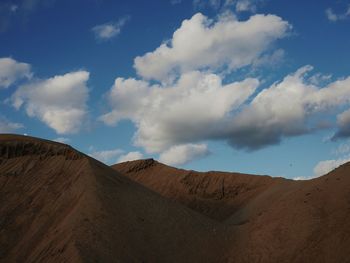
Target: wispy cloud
[[20, 9], [224, 5], [7, 126], [111, 29], [334, 17]]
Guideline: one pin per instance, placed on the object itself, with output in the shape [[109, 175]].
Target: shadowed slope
[[59, 205]]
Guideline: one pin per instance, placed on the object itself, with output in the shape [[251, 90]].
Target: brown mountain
[[59, 205], [264, 219]]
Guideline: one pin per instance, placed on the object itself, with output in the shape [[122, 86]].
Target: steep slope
[[58, 205], [266, 219]]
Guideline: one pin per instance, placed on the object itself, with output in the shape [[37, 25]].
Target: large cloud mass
[[200, 107], [60, 102], [192, 109], [201, 43], [286, 109], [194, 101]]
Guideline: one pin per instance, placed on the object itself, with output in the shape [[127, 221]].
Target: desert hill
[[269, 219], [59, 205], [214, 194]]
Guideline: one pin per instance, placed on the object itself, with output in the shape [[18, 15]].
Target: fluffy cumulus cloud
[[199, 107], [109, 30], [194, 108], [107, 156], [12, 71], [285, 109], [60, 101], [131, 156], [7, 126], [194, 102], [182, 154], [226, 43]]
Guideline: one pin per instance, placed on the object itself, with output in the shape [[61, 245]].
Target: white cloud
[[327, 166], [226, 42], [107, 156], [7, 126], [12, 71], [333, 17], [245, 5], [199, 107], [192, 109], [196, 106], [60, 102], [285, 108], [109, 30], [131, 156], [182, 154]]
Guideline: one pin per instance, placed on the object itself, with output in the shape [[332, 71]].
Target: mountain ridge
[[60, 209]]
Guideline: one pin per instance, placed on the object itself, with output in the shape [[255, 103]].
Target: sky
[[251, 86]]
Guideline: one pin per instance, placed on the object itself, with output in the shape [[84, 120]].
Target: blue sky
[[254, 86]]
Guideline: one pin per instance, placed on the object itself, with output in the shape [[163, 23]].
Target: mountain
[[59, 205], [265, 219], [214, 194]]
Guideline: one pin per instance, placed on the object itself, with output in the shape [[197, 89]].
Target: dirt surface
[[59, 205]]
